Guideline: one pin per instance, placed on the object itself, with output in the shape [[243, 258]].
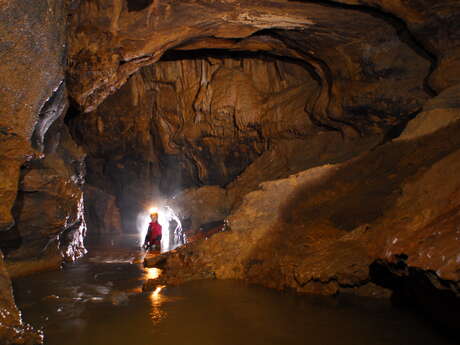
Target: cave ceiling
[[375, 59], [176, 84]]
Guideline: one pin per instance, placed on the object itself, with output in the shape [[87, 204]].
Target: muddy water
[[99, 300]]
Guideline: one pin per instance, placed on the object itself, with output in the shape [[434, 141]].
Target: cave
[[300, 159]]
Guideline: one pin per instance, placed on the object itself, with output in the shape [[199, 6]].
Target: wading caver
[[153, 237]]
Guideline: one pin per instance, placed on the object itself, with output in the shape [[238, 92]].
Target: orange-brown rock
[[435, 28], [211, 115], [13, 154], [206, 100], [12, 329], [32, 47], [29, 36], [176, 124], [204, 116], [121, 151], [49, 210], [364, 73], [388, 217]]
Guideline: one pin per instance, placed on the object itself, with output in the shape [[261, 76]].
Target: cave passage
[[172, 234], [99, 300], [193, 119], [292, 149]]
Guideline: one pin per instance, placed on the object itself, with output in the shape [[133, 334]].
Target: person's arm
[[147, 235]]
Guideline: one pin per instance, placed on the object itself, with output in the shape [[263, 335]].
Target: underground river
[[99, 300]]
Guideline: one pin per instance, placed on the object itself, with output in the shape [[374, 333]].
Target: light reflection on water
[[200, 313], [157, 299], [152, 273]]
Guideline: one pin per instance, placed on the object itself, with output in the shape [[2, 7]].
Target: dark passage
[[138, 5]]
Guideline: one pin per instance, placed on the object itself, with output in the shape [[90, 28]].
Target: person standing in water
[[153, 237]]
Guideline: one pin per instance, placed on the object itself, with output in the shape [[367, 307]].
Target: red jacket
[[153, 232]]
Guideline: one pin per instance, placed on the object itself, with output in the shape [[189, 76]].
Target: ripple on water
[[94, 302]]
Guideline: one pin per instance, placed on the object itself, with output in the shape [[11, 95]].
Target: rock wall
[[211, 98], [102, 215], [197, 120], [314, 231], [386, 218], [32, 96], [361, 71], [49, 208], [30, 36], [435, 28], [203, 117]]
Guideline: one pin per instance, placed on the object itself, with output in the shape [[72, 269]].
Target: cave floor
[[99, 300]]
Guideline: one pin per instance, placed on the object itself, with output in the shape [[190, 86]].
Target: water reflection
[[93, 302], [152, 273], [157, 299]]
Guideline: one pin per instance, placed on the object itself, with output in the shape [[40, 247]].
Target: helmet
[[154, 214]]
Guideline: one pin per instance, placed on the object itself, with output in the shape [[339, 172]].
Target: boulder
[[439, 112]]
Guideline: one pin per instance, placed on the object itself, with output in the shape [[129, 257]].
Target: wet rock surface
[[30, 36], [321, 230], [213, 120], [49, 209], [299, 31], [12, 329], [32, 49], [199, 102], [231, 121]]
